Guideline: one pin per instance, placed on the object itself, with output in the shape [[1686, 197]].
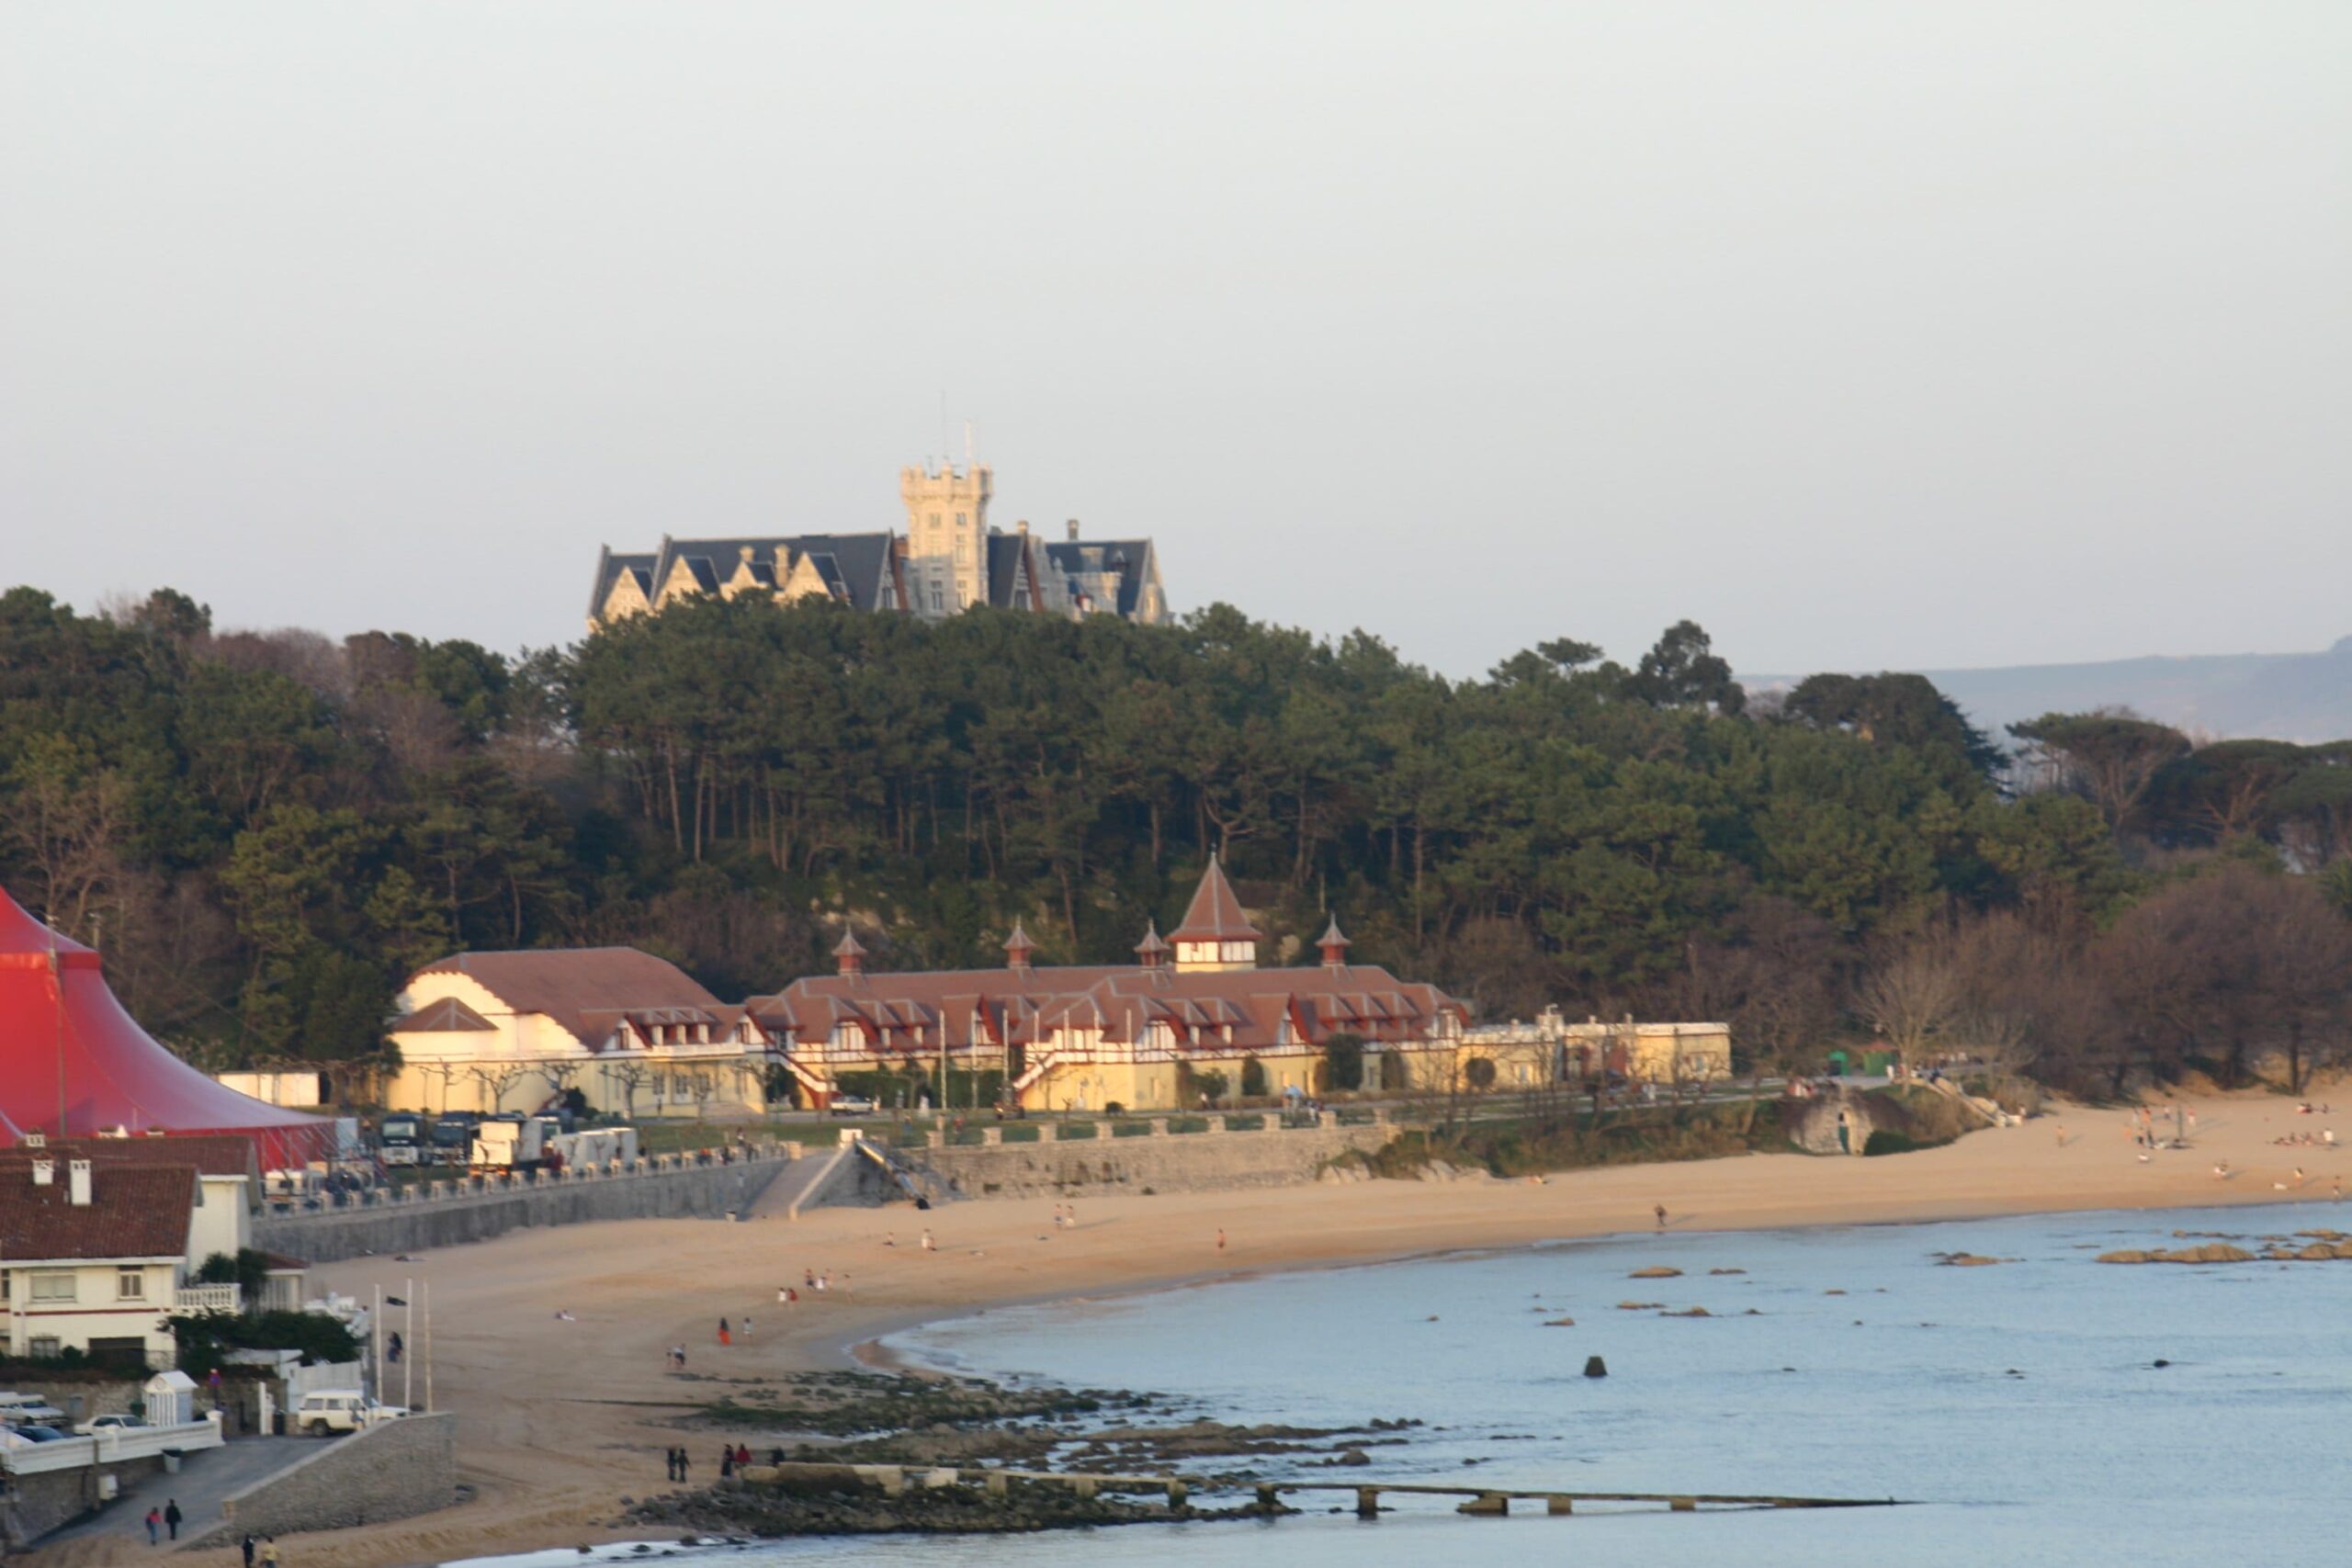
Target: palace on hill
[[635, 1034], [948, 559]]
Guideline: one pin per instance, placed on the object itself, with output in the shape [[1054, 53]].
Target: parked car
[[852, 1105], [108, 1424], [32, 1414], [328, 1411], [39, 1434]]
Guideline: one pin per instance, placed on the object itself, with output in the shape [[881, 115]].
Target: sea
[[2046, 1410]]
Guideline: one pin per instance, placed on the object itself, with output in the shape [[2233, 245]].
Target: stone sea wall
[[693, 1193], [1193, 1162], [390, 1471]]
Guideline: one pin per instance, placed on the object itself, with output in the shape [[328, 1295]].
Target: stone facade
[[1191, 1162], [391, 1471], [949, 559]]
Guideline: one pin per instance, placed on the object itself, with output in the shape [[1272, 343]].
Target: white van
[[327, 1411]]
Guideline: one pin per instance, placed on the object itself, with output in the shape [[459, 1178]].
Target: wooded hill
[[265, 831]]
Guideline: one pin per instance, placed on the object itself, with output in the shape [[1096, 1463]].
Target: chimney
[[1073, 530], [1021, 527], [78, 1178], [44, 1173]]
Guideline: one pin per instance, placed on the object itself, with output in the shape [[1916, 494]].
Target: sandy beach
[[560, 1419]]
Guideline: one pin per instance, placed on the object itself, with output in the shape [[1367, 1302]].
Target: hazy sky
[[1878, 335]]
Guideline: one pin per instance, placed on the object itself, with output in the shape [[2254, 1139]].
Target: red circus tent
[[69, 1052]]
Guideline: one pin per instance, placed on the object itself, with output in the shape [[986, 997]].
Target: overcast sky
[[1869, 335]]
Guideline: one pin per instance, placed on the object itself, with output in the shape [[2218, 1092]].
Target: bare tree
[[495, 1079], [631, 1077], [1911, 992]]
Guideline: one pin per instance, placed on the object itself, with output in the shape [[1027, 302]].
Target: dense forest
[[265, 832]]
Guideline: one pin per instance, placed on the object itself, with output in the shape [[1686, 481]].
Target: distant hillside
[[2303, 697]]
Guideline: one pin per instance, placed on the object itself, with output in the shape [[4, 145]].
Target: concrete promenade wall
[[329, 1235], [1188, 1162], [390, 1471]]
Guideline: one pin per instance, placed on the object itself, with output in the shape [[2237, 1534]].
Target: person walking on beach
[[724, 1336], [726, 1464], [928, 1244], [684, 1462], [172, 1516], [1220, 1238], [269, 1551], [1660, 1212], [248, 1545]]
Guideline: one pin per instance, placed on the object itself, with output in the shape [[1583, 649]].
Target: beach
[[562, 1417]]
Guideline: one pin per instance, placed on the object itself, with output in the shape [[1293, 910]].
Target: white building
[[93, 1258]]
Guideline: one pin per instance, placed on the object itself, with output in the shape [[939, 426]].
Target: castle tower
[[947, 531]]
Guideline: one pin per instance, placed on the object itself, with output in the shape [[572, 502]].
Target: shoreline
[[562, 1417]]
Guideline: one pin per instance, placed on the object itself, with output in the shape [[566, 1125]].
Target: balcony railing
[[207, 1298]]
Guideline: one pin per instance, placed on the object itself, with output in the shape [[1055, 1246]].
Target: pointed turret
[[850, 954], [1151, 952], [1333, 946], [1216, 934], [1017, 949]]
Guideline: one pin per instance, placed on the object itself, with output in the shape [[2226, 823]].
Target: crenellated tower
[[948, 531]]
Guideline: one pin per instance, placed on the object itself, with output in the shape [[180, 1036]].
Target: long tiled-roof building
[[949, 559], [1139, 1035], [513, 1030]]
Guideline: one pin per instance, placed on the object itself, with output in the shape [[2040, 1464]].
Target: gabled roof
[[135, 1210], [444, 1016], [564, 984], [1129, 560], [209, 1153], [1214, 914], [609, 567]]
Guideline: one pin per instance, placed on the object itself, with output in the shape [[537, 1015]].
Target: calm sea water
[[2019, 1405]]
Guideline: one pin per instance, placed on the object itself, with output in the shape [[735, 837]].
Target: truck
[[324, 1412], [452, 1137], [404, 1139], [508, 1145], [600, 1146]]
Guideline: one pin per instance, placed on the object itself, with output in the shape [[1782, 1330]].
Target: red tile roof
[[213, 1154], [568, 985], [1214, 914], [135, 1210], [447, 1016]]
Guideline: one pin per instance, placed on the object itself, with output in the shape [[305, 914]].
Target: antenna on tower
[[967, 443], [943, 448]]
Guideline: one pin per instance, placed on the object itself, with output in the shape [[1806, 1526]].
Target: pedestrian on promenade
[[172, 1516], [154, 1527]]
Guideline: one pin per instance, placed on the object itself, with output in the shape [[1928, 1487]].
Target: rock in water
[[1594, 1367], [1655, 1271]]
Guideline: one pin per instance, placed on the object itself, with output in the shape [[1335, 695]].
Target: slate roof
[[588, 990], [135, 1210], [609, 567], [1130, 559]]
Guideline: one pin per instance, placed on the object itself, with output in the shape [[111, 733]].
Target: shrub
[[1886, 1141], [205, 1339], [1343, 1063], [1253, 1078]]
